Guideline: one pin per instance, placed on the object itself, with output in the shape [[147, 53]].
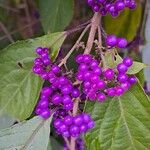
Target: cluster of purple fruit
[[111, 7], [73, 126], [113, 41], [61, 91], [97, 82]]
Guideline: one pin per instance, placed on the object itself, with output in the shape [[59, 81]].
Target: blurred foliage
[[125, 25]]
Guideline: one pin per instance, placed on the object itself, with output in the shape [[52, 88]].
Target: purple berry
[[122, 68], [95, 79], [101, 97], [125, 86], [83, 67], [87, 58], [43, 104], [83, 128], [39, 50], [110, 92], [86, 118], [55, 69], [128, 61], [97, 71], [111, 40], [78, 120], [94, 64], [91, 124], [38, 111], [119, 91], [101, 84], [96, 8], [57, 123], [68, 120], [122, 78], [68, 106], [66, 89], [66, 134], [63, 128], [56, 99], [62, 80], [47, 61], [66, 99], [79, 59], [122, 42], [47, 91], [37, 69], [109, 74], [75, 93], [74, 131], [132, 80], [119, 5], [87, 75], [80, 76], [45, 113]]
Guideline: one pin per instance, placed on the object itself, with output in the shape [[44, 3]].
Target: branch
[[75, 45], [94, 26], [8, 35]]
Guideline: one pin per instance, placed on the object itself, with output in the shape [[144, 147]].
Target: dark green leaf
[[121, 122], [125, 25], [29, 135], [55, 14], [19, 87]]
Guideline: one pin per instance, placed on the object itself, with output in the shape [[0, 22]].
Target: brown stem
[[94, 26], [75, 45]]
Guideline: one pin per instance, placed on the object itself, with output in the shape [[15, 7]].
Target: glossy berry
[[57, 123], [109, 74], [110, 92], [39, 50], [66, 89], [122, 68], [128, 61], [78, 120], [79, 59], [74, 131], [55, 69], [45, 113], [122, 78], [43, 104], [132, 80], [75, 93], [47, 91], [101, 97], [68, 120], [56, 99], [111, 40], [66, 99], [122, 43], [119, 91], [91, 124], [119, 5]]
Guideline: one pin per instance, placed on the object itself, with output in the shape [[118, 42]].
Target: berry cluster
[[73, 126], [111, 7], [113, 41], [61, 91], [98, 83]]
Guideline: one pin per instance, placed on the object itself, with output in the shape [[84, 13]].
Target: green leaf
[[29, 135], [6, 121], [55, 14], [121, 122], [125, 25], [19, 87]]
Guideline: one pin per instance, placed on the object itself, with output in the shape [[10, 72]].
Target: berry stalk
[[94, 26]]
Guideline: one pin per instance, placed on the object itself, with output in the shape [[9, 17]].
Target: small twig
[[9, 8], [20, 29], [75, 45], [8, 35], [99, 47], [67, 142], [95, 24], [28, 17]]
